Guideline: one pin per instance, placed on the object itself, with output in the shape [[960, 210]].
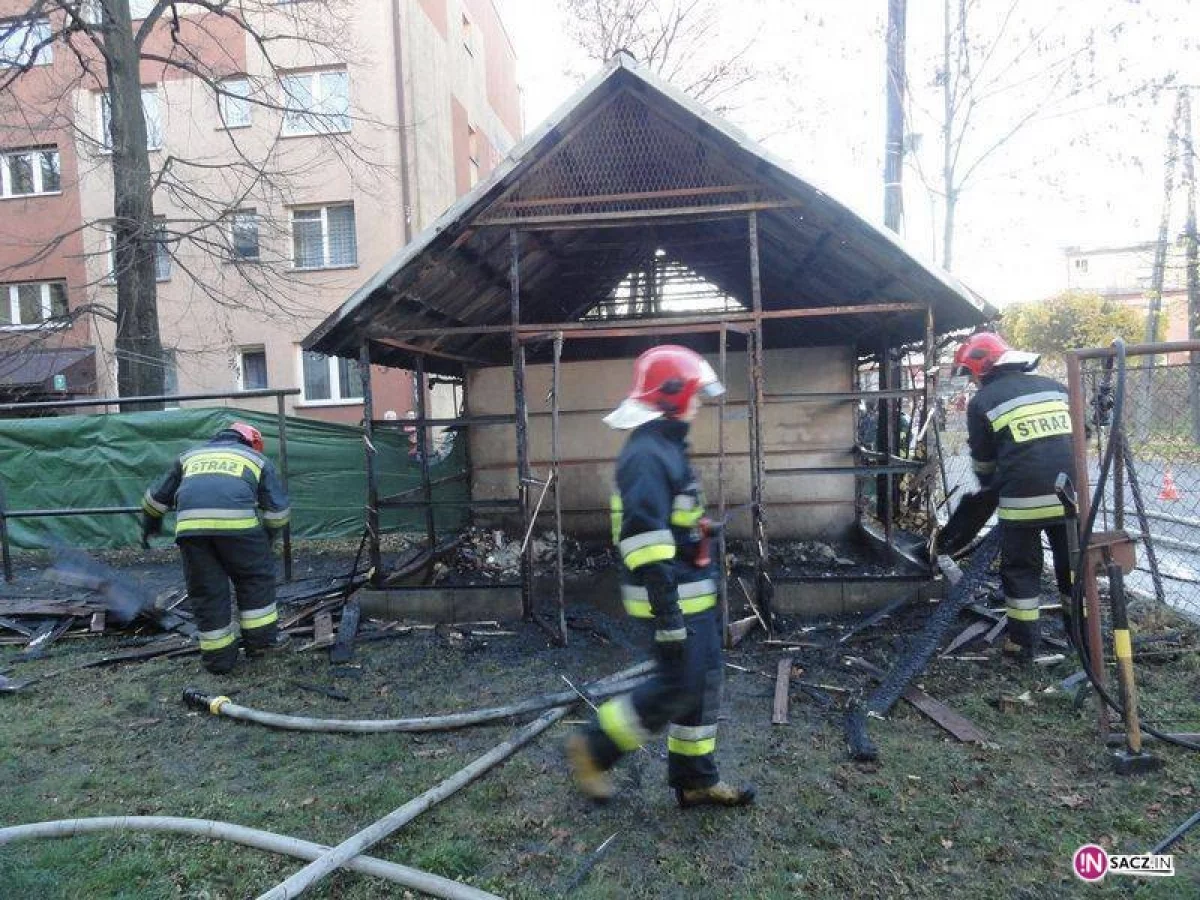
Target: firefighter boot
[[1022, 641], [719, 794], [280, 640], [591, 779]]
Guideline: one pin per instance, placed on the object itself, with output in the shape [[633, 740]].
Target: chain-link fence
[[1154, 493]]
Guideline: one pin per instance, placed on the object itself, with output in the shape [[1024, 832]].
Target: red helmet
[[249, 435], [979, 354], [665, 379]]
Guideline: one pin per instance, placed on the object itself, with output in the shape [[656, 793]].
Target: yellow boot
[[591, 780], [719, 794]]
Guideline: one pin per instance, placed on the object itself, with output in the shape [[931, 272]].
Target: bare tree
[[194, 43], [673, 38], [1003, 69]]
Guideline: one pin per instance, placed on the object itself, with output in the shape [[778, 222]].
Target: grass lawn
[[933, 819]]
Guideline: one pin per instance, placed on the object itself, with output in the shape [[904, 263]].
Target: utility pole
[[1142, 415], [1191, 254], [893, 157]]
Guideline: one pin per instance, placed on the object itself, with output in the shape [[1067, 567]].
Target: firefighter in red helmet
[[656, 525], [1019, 431], [229, 504]]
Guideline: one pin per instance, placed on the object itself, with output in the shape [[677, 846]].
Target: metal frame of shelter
[[630, 179]]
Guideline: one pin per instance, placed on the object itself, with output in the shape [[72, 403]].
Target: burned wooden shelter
[[634, 216]]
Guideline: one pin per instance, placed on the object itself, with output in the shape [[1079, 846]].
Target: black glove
[[150, 527]]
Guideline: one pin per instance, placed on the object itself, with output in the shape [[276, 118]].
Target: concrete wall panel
[[795, 435]]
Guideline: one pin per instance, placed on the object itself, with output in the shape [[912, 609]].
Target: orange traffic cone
[[1169, 491]]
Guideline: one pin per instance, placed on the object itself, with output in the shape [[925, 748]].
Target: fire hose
[[223, 706], [427, 883]]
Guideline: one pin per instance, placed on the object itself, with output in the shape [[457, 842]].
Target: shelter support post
[[722, 575], [755, 398], [521, 411], [281, 415], [884, 443], [423, 447], [556, 479], [364, 363]]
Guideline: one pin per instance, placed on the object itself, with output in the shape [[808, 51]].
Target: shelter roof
[[630, 177]]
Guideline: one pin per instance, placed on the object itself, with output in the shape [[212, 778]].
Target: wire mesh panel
[[1162, 433], [624, 152]]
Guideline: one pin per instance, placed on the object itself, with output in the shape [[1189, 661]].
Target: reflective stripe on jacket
[[219, 488], [655, 511], [1019, 429]]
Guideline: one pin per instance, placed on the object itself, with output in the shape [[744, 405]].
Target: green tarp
[[109, 460]]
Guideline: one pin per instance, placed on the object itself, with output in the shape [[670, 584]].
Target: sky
[[1086, 172]]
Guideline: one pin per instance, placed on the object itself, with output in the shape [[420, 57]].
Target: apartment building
[[1126, 273], [284, 177]]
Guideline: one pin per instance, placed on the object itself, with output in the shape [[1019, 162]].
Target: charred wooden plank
[[343, 647], [783, 677]]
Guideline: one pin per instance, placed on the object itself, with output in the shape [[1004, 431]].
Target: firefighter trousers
[[1021, 563], [683, 696], [209, 563]]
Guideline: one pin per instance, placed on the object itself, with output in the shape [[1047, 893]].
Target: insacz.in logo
[[1091, 863]]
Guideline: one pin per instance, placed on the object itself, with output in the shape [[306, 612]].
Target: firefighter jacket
[[656, 513], [220, 488], [1019, 430]]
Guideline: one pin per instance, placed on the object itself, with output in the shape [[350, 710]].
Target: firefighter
[[1019, 431], [658, 526], [230, 505]]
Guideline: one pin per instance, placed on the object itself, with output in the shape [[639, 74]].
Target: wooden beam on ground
[[13, 625], [946, 718], [783, 678], [46, 635], [876, 617], [953, 723], [323, 628], [968, 634], [343, 647], [99, 620], [738, 630]]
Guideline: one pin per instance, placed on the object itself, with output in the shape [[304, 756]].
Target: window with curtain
[[324, 237]]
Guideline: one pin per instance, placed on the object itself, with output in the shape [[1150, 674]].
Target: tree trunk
[[138, 345], [893, 166], [948, 227]]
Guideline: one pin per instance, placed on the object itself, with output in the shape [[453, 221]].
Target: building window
[[1081, 265], [468, 36], [233, 103], [316, 102], [150, 112], [162, 254], [243, 234], [33, 171], [25, 43], [323, 237], [330, 379], [32, 304], [252, 369]]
